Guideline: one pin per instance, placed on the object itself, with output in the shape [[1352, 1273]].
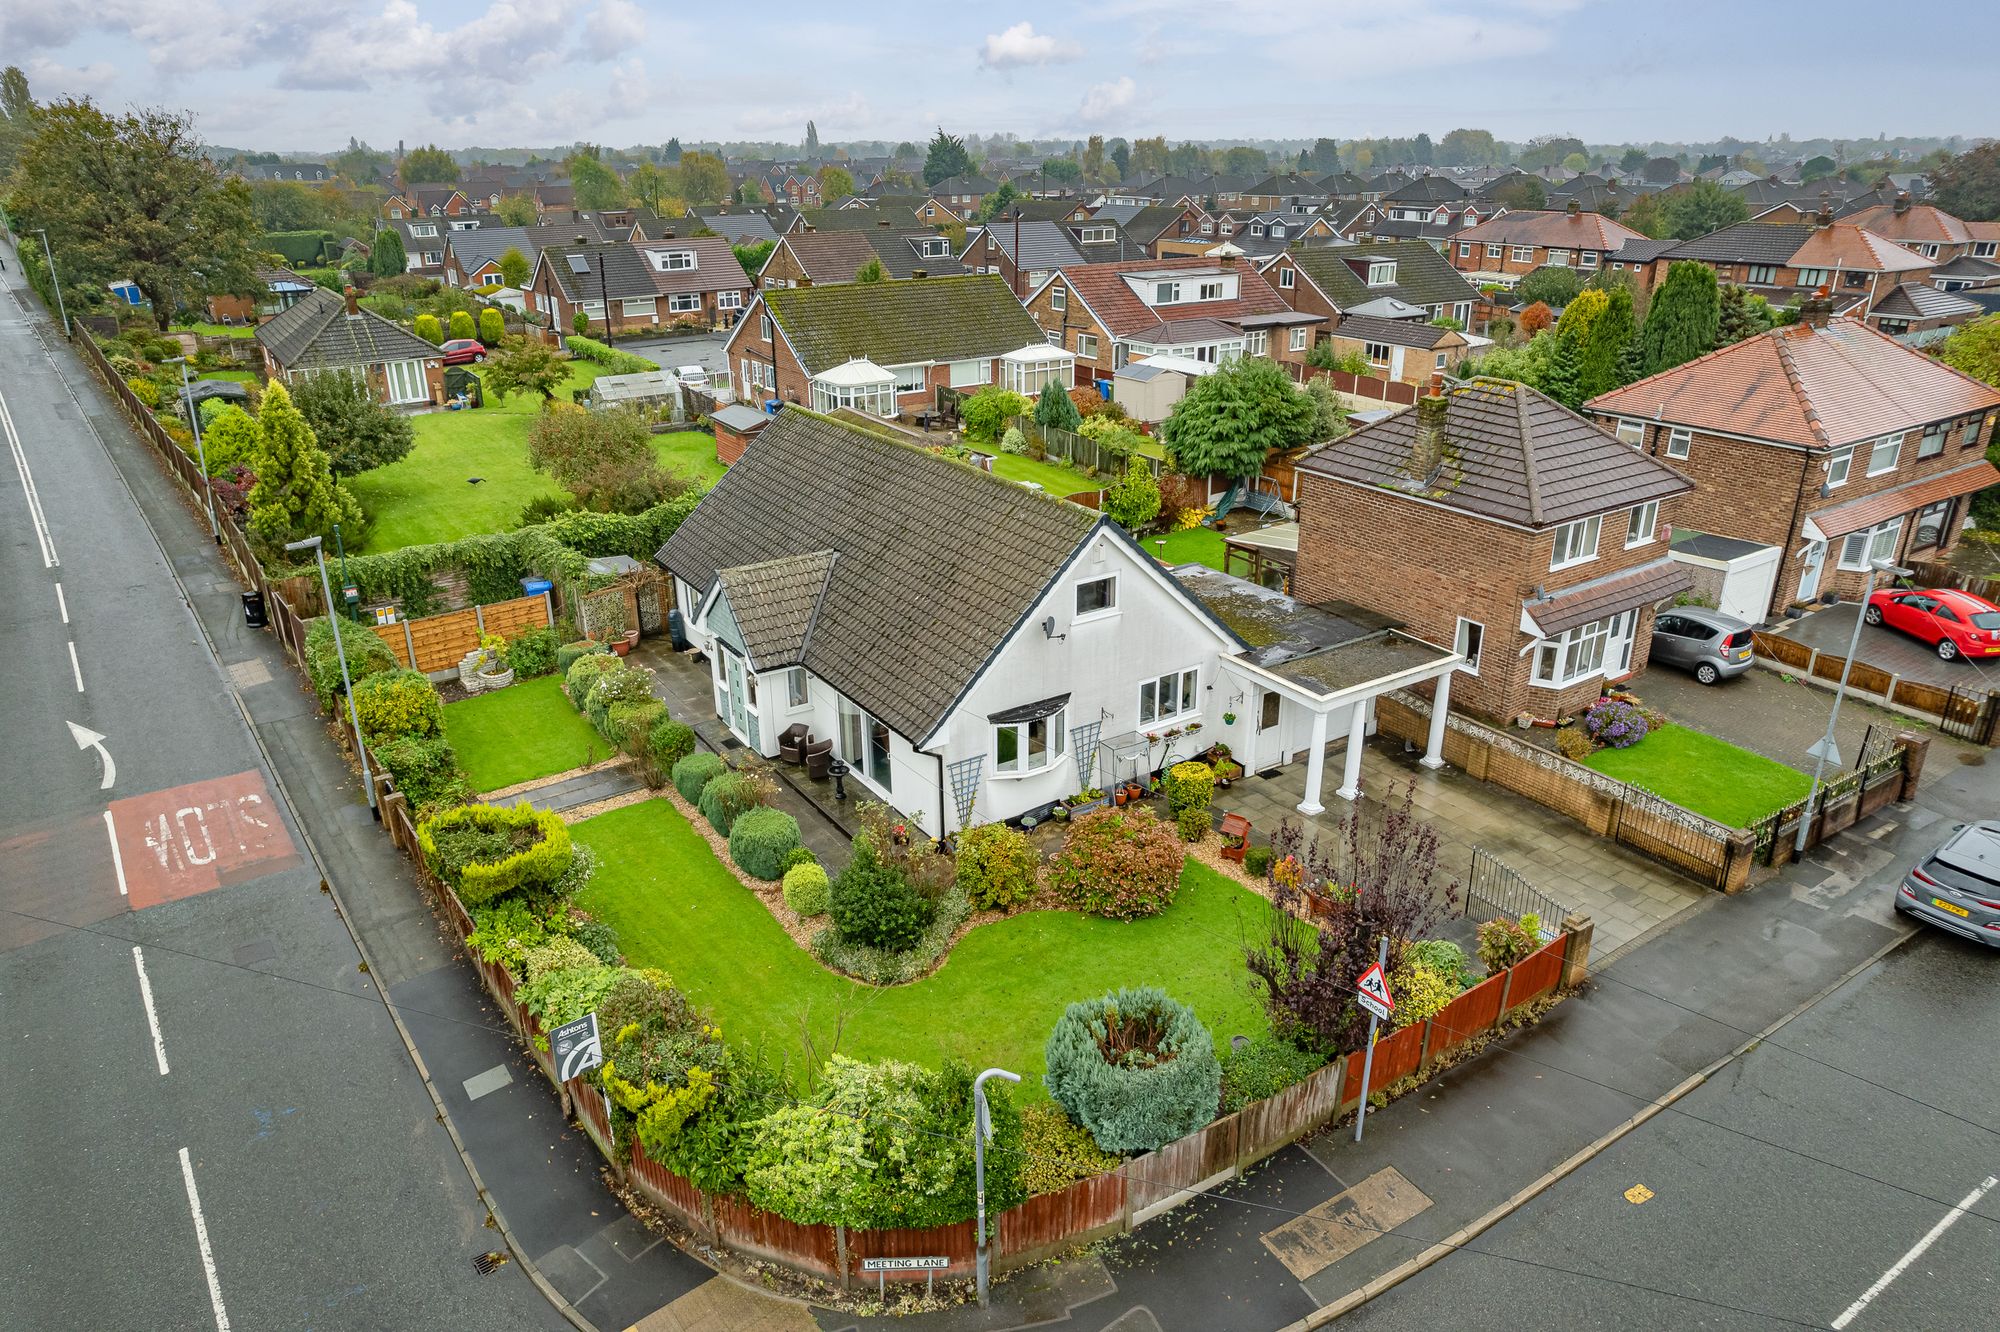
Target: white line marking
[[201, 1238], [1965, 1205], [117, 856], [152, 1017], [40, 519], [62, 603], [74, 668]]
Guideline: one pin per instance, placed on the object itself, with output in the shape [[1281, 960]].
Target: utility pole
[[1827, 745], [61, 309], [317, 546], [982, 1133]]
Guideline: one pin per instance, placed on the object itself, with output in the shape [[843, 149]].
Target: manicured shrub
[[1135, 1068], [1263, 1068], [483, 851], [366, 655], [1574, 743], [1615, 725], [1502, 943], [896, 966], [631, 724], [584, 672], [760, 839], [798, 856], [728, 798], [996, 866], [462, 326], [985, 413], [1056, 1151], [1420, 995], [874, 904], [1257, 861], [1121, 863], [1014, 441], [621, 684], [807, 889], [613, 360], [428, 328], [492, 327], [567, 654], [667, 743], [1190, 788], [693, 773], [425, 770], [533, 654], [395, 703]]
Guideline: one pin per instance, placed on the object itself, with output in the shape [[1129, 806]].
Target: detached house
[[1493, 519], [1508, 248], [323, 332], [886, 347], [1386, 279], [1828, 440], [975, 651], [1208, 309], [651, 284]]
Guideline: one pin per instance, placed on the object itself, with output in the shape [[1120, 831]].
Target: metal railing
[[1493, 889]]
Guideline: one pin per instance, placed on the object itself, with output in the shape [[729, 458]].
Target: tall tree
[[945, 158], [1061, 170], [1325, 155], [672, 152], [1631, 159], [1468, 147], [1421, 150], [1550, 285], [1093, 157], [1246, 161], [994, 204], [515, 270], [428, 165], [1149, 157], [1683, 320], [1121, 157], [1230, 421], [1968, 185], [1701, 207], [295, 495], [704, 178], [134, 197], [835, 182], [1607, 345], [18, 114], [1647, 216], [1549, 151], [517, 210], [594, 185], [648, 185], [1522, 192], [812, 141], [752, 257], [359, 162], [356, 432], [387, 258]]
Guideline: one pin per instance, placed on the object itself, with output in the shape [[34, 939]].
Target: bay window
[[1023, 747], [1602, 647], [1172, 697], [1870, 543]]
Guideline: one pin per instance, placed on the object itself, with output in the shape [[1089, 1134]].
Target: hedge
[[1162, 1083], [670, 742], [537, 867], [567, 654], [298, 247], [760, 839], [583, 675], [616, 361], [398, 703]]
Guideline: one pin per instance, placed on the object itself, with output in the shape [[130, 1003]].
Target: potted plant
[[1229, 719], [1226, 772], [1119, 796], [1060, 813], [494, 672]]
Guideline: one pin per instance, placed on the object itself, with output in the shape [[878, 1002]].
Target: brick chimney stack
[[353, 306], [1575, 207], [1816, 308], [1825, 215], [1427, 449], [1902, 201]]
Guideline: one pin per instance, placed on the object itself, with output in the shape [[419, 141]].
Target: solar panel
[[579, 263]]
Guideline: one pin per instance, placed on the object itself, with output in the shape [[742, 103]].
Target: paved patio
[[1624, 893]]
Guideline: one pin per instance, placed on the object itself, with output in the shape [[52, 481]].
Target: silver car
[[1708, 643], [1957, 886]]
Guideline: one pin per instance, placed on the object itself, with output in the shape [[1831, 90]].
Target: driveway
[[704, 349], [1829, 629]]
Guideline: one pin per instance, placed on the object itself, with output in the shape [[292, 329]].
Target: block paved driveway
[[1626, 894], [1829, 629]]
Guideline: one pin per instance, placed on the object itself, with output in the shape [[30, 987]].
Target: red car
[[461, 350], [1957, 624]]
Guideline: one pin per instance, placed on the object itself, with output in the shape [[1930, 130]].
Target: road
[[708, 350], [212, 1121], [1782, 1190]]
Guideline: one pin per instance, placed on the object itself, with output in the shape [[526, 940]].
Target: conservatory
[[860, 384], [1026, 370]]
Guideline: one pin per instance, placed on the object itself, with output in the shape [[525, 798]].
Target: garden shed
[[1148, 389]]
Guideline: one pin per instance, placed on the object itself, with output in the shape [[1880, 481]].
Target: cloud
[[1022, 45], [616, 28], [461, 71], [49, 79], [1104, 100]]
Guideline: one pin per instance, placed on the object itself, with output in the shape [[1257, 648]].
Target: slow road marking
[[201, 1238], [1965, 1204], [193, 839]]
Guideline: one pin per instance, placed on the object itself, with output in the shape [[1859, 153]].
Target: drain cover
[[489, 1261]]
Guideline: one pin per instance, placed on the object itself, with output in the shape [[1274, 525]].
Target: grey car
[[1957, 886], [1710, 645]]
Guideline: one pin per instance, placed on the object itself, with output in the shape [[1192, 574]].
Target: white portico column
[[1357, 736], [1315, 767], [1434, 746]]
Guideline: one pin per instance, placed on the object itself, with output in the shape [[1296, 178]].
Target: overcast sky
[[302, 75]]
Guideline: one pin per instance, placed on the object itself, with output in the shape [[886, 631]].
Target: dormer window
[[1382, 273], [1211, 291], [1166, 293], [673, 261], [933, 249], [1098, 235]]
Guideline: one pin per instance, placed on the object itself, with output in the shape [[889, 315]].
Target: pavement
[[1830, 630]]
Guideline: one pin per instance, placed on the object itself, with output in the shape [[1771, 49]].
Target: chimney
[[1427, 450], [919, 273], [1825, 217], [1815, 309], [353, 308], [882, 222], [1902, 201], [1575, 207]]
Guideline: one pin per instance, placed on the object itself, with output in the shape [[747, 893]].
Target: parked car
[[1957, 624], [1957, 886], [1710, 645], [694, 376], [458, 351]]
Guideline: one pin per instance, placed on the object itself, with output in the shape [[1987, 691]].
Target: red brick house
[[1492, 520], [1827, 439], [1509, 247], [323, 332], [648, 284], [1924, 229], [1785, 262]]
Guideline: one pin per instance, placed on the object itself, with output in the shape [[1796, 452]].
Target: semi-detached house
[[1509, 247], [647, 284], [1387, 279]]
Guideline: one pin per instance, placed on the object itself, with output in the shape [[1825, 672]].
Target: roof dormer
[[672, 261]]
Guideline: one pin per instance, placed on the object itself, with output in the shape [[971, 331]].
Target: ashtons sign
[[577, 1047]]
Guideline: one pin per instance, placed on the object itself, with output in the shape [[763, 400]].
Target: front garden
[[518, 734], [1698, 772]]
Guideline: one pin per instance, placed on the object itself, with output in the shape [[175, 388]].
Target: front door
[[1814, 560], [1269, 749], [737, 717]]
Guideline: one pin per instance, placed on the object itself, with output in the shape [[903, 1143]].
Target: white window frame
[[1631, 432], [1086, 346], [910, 378], [1576, 543], [729, 300], [1558, 257], [969, 374], [1377, 354], [1256, 342], [1166, 293], [1875, 543], [678, 261], [1185, 685], [1522, 254], [1839, 464], [1761, 274], [631, 307], [1642, 524], [1680, 442], [1058, 299], [798, 692], [1382, 274], [1468, 640], [1811, 278], [1209, 291], [1299, 338], [1932, 442], [1894, 445], [1286, 279], [1494, 249], [1079, 615], [1055, 738], [764, 326], [1465, 249], [414, 386], [1586, 258]]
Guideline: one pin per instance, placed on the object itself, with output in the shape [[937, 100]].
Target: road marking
[[201, 1238], [152, 1016], [117, 856], [62, 603], [88, 739], [74, 668], [35, 514], [1945, 1223]]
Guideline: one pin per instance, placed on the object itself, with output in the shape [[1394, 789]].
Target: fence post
[[479, 617], [1506, 992], [1578, 929], [549, 607], [409, 643]]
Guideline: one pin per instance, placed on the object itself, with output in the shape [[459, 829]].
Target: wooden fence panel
[[1869, 679], [442, 641], [767, 1235], [398, 642], [1778, 648], [1050, 1222], [953, 1242], [593, 1114], [1264, 1126], [1467, 1016], [667, 1189], [1828, 667], [1161, 1179], [511, 619], [1536, 974]]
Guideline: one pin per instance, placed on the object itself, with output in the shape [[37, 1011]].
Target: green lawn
[[215, 330], [994, 1000], [234, 376], [1709, 776], [1197, 545], [519, 733], [1056, 478], [429, 495]]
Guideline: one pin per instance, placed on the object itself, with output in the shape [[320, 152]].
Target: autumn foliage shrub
[[1122, 863]]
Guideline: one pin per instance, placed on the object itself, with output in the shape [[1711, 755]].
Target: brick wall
[[1071, 323], [1479, 262]]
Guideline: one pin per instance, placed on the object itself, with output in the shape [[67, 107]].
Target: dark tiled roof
[[735, 223], [1423, 276], [832, 257], [318, 332], [774, 604], [626, 274], [1920, 300], [1510, 454], [860, 219], [1747, 243], [901, 323], [1644, 250], [1426, 189], [1609, 595], [1152, 222], [1969, 268], [1043, 244], [938, 560]]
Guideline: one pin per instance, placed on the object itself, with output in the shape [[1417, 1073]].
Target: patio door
[[406, 381], [1813, 561]]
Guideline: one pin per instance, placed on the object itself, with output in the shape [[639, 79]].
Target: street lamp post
[[1826, 745], [61, 309], [982, 1132], [200, 452], [318, 547]]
